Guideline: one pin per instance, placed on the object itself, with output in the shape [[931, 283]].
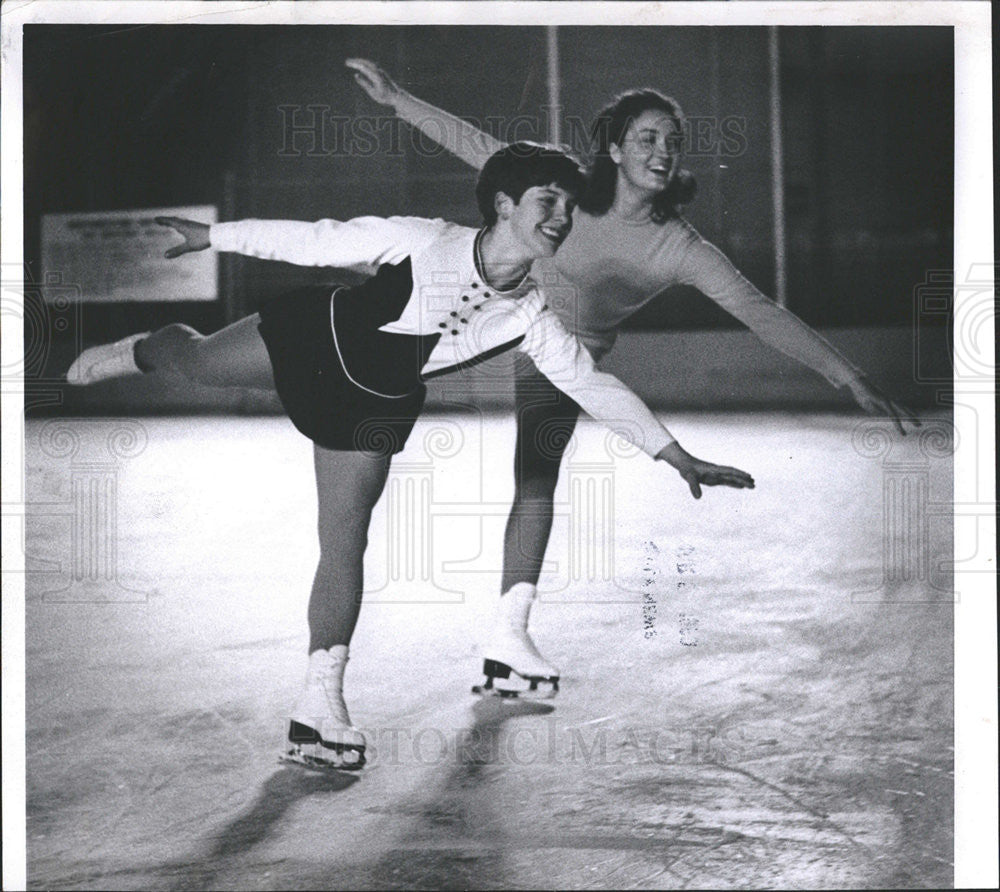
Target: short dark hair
[[609, 129], [517, 167]]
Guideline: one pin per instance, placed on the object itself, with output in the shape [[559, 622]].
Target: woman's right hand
[[697, 473], [195, 235], [374, 81]]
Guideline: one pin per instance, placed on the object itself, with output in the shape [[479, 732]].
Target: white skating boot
[[320, 730], [106, 361], [511, 663]]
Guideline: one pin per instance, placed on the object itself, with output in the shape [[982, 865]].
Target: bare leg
[[233, 357], [545, 421], [348, 486]]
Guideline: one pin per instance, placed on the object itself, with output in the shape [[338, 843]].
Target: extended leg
[[233, 357]]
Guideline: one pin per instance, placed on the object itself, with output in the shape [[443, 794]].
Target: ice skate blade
[[310, 749], [493, 670], [296, 756], [484, 690]]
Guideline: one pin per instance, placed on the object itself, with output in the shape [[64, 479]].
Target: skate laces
[[338, 708], [327, 673]]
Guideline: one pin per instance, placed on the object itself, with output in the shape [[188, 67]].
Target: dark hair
[[517, 167], [609, 128]]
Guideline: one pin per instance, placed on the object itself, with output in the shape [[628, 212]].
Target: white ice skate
[[106, 361], [320, 733], [511, 663]]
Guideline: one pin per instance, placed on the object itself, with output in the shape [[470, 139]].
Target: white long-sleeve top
[[450, 297]]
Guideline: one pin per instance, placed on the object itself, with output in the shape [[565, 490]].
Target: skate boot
[[511, 663], [319, 731], [106, 361]]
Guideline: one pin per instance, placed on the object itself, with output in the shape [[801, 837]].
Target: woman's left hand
[[875, 402]]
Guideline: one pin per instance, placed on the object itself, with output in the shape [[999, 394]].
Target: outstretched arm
[[362, 242], [706, 268], [459, 137], [567, 364]]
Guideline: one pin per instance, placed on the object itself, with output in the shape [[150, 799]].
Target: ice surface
[[756, 692]]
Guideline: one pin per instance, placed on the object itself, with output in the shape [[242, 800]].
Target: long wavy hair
[[609, 129]]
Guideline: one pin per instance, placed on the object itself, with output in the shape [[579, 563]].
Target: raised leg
[[235, 356]]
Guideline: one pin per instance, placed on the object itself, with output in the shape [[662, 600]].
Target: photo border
[[975, 616]]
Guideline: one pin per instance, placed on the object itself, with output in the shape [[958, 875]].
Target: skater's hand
[[698, 473], [196, 235], [374, 81], [874, 402]]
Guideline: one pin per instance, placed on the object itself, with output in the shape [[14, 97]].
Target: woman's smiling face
[[650, 152], [542, 219]]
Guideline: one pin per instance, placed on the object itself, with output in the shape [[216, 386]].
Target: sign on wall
[[117, 256]]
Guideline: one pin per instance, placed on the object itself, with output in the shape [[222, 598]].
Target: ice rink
[[757, 687]]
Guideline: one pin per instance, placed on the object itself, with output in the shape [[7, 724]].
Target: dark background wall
[[267, 122]]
